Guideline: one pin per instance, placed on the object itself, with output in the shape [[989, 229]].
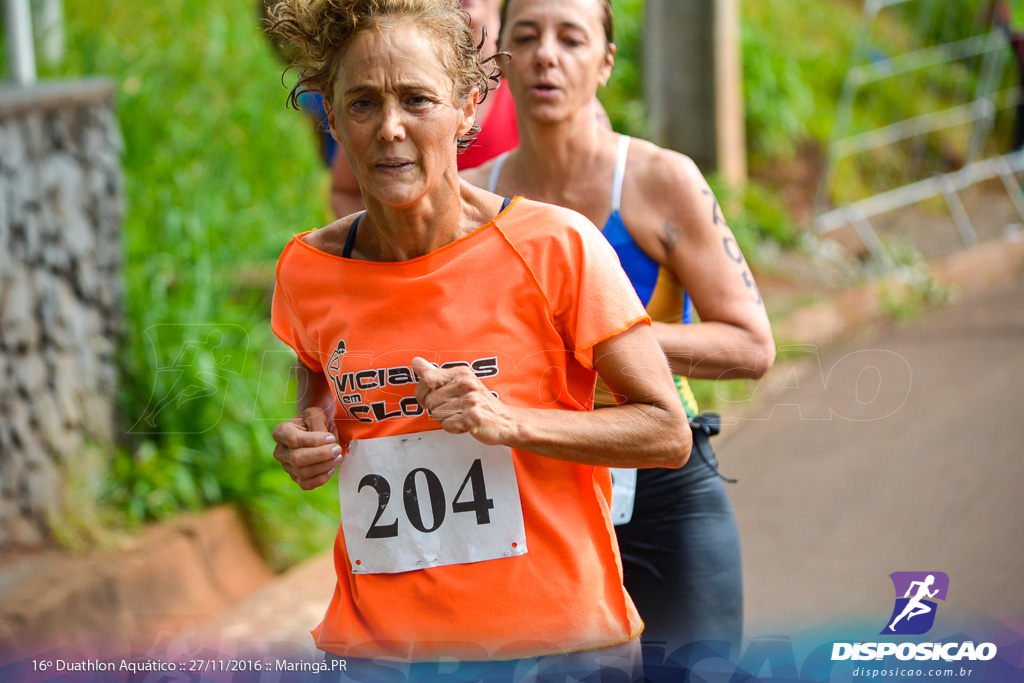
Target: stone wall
[[61, 202]]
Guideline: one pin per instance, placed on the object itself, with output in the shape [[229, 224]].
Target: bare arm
[[648, 429], [346, 198], [692, 239], [307, 445], [479, 175]]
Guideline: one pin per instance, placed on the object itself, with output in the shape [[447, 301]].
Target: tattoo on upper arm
[[748, 280], [716, 216], [732, 248]]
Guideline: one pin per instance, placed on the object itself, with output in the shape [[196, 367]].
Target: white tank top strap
[[620, 172], [499, 161]]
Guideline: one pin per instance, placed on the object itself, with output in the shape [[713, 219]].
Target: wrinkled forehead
[[392, 55]]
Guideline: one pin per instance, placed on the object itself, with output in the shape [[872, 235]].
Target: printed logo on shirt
[[358, 392]]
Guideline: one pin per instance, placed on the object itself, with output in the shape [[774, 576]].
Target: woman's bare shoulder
[[331, 238], [478, 175], [661, 172], [664, 183]]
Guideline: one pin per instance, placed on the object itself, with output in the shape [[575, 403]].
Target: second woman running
[[680, 549]]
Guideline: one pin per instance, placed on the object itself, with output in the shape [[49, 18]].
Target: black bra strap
[[350, 241]]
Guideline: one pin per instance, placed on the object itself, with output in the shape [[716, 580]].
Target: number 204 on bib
[[428, 499]]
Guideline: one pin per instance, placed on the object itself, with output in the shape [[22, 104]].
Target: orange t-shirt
[[522, 300]]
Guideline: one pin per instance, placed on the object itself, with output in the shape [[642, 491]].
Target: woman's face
[[394, 116], [559, 56]]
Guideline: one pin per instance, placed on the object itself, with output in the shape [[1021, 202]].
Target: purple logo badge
[[916, 592]]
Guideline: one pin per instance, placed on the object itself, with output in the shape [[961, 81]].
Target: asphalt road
[[905, 453]]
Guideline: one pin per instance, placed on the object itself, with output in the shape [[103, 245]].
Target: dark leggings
[[681, 554]]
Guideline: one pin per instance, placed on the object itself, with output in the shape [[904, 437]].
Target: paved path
[[829, 507]]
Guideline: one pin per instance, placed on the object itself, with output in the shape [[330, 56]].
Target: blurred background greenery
[[219, 174]]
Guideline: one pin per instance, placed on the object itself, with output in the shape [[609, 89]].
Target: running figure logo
[[914, 613]]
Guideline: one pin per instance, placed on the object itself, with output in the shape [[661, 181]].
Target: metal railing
[[20, 48], [19, 17], [980, 60]]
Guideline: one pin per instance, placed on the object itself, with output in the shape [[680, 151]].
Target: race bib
[[427, 500], [623, 494]]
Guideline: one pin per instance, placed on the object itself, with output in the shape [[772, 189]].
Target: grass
[[218, 175], [912, 288], [623, 96], [3, 54], [795, 55]]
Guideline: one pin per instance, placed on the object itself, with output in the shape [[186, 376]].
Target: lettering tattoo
[[748, 280], [716, 216], [732, 248]]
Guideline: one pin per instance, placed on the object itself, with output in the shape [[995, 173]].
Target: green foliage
[[723, 395], [779, 103], [912, 288], [82, 521], [218, 175], [764, 215], [795, 55], [937, 22], [623, 96], [917, 93], [794, 60]]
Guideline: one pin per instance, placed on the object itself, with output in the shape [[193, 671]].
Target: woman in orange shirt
[[449, 343]]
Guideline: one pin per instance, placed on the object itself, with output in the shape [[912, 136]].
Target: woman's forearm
[[648, 429], [715, 350], [632, 435], [313, 392]]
